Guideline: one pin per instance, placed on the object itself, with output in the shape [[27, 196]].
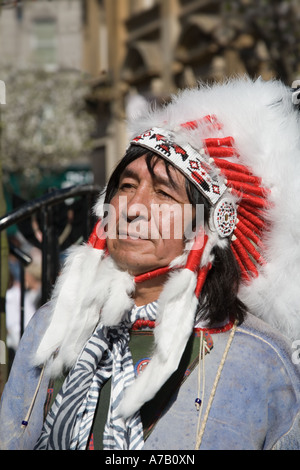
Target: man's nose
[[138, 205]]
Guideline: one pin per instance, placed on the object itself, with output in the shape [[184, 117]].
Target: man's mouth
[[131, 236]]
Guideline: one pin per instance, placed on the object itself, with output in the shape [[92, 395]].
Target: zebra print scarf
[[106, 354]]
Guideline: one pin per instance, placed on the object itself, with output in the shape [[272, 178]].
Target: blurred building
[[136, 51], [141, 51], [44, 34]]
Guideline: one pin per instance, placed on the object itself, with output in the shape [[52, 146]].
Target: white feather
[[175, 320], [68, 295], [265, 125], [88, 285]]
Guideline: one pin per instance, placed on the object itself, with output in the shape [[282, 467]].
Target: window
[[44, 43]]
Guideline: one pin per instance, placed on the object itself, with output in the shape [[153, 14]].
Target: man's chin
[[128, 254]]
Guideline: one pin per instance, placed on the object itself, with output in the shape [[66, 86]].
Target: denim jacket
[[256, 404]]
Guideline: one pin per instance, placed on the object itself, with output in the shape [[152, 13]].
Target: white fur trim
[[68, 321], [176, 315], [88, 285], [119, 299]]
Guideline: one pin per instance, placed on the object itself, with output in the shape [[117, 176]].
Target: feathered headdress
[[238, 143]]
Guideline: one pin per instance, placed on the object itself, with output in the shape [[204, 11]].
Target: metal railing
[[46, 212]]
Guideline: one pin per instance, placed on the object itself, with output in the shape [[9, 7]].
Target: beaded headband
[[187, 159]]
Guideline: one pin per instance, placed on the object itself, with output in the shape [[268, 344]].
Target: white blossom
[[45, 122]]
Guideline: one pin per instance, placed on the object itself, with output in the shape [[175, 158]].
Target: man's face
[[150, 217]]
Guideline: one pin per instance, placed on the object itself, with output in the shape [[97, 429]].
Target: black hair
[[219, 296], [218, 300]]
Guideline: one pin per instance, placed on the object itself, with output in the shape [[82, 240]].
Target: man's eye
[[164, 194], [124, 186]]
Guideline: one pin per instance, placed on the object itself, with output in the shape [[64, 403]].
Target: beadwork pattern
[[224, 217], [187, 159]]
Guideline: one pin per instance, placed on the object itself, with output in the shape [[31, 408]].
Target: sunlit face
[[148, 217]]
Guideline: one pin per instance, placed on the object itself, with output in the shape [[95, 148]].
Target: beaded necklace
[[203, 349], [205, 346]]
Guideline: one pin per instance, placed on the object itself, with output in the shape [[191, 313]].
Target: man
[[148, 340]]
